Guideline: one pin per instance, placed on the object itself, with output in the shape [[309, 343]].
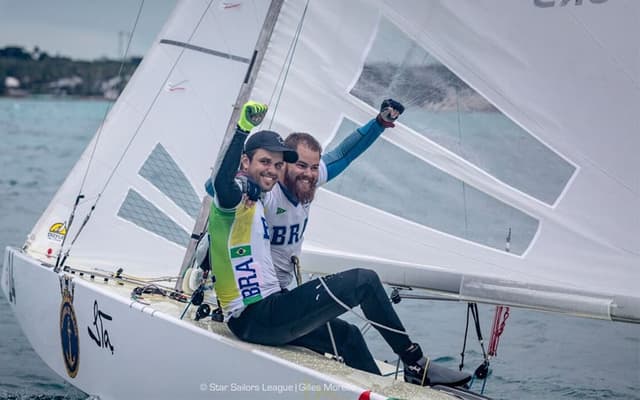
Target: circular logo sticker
[[69, 330]]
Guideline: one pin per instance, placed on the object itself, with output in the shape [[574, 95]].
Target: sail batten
[[206, 50]]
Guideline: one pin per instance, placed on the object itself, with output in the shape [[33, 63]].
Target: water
[[40, 140], [540, 355]]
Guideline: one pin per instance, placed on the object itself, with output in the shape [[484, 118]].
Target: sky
[[82, 29]]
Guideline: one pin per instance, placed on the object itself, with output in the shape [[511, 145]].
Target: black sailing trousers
[[299, 317]]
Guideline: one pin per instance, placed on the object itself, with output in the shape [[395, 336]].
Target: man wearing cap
[[255, 307], [240, 249]]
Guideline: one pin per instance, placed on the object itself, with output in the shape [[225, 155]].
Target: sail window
[[406, 186], [165, 174], [441, 107], [143, 213]]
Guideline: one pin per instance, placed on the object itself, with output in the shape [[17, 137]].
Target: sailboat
[[511, 179]]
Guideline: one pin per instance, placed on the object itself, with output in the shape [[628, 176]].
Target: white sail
[[510, 141], [511, 178], [555, 167], [155, 149]]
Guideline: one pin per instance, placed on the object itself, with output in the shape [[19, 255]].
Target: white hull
[[157, 355]]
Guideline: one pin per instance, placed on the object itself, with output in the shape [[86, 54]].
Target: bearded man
[[287, 205], [286, 210]]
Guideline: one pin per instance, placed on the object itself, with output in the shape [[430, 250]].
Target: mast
[[243, 96]]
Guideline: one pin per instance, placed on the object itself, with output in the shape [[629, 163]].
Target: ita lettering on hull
[[98, 332]]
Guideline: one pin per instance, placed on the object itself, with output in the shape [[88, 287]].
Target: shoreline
[[54, 97]]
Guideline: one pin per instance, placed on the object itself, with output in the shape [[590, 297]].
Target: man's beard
[[303, 196]]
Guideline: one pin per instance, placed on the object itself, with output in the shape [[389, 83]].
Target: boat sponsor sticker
[[57, 231], [99, 332], [69, 328]]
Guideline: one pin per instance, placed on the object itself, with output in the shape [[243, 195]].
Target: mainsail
[[511, 178], [539, 172]]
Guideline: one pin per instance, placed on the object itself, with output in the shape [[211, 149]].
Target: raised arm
[[227, 191], [338, 159]]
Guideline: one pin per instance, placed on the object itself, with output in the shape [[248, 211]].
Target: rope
[[499, 322], [482, 372], [472, 309], [464, 343], [296, 270], [346, 307]]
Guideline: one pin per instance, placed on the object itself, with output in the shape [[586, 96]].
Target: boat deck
[[385, 385]]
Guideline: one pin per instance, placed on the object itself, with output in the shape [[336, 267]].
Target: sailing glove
[[248, 187], [387, 115], [251, 115]]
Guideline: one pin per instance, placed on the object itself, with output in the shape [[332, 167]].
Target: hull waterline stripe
[[206, 51]]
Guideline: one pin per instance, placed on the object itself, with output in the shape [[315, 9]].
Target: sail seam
[[205, 50]]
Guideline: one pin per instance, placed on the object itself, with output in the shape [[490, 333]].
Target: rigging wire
[[137, 130], [287, 65], [106, 113], [155, 99], [80, 196]]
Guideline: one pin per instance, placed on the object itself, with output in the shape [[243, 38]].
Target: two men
[[257, 308]]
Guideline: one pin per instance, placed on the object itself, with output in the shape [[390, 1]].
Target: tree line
[[36, 72]]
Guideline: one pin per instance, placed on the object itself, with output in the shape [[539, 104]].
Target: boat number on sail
[[69, 328], [10, 283], [562, 3], [57, 231], [100, 336]]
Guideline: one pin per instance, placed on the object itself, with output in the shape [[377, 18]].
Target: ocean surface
[[541, 355]]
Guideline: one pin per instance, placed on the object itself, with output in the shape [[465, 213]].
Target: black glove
[[249, 187], [386, 116]]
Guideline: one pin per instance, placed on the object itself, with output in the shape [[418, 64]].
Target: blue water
[[541, 355]]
